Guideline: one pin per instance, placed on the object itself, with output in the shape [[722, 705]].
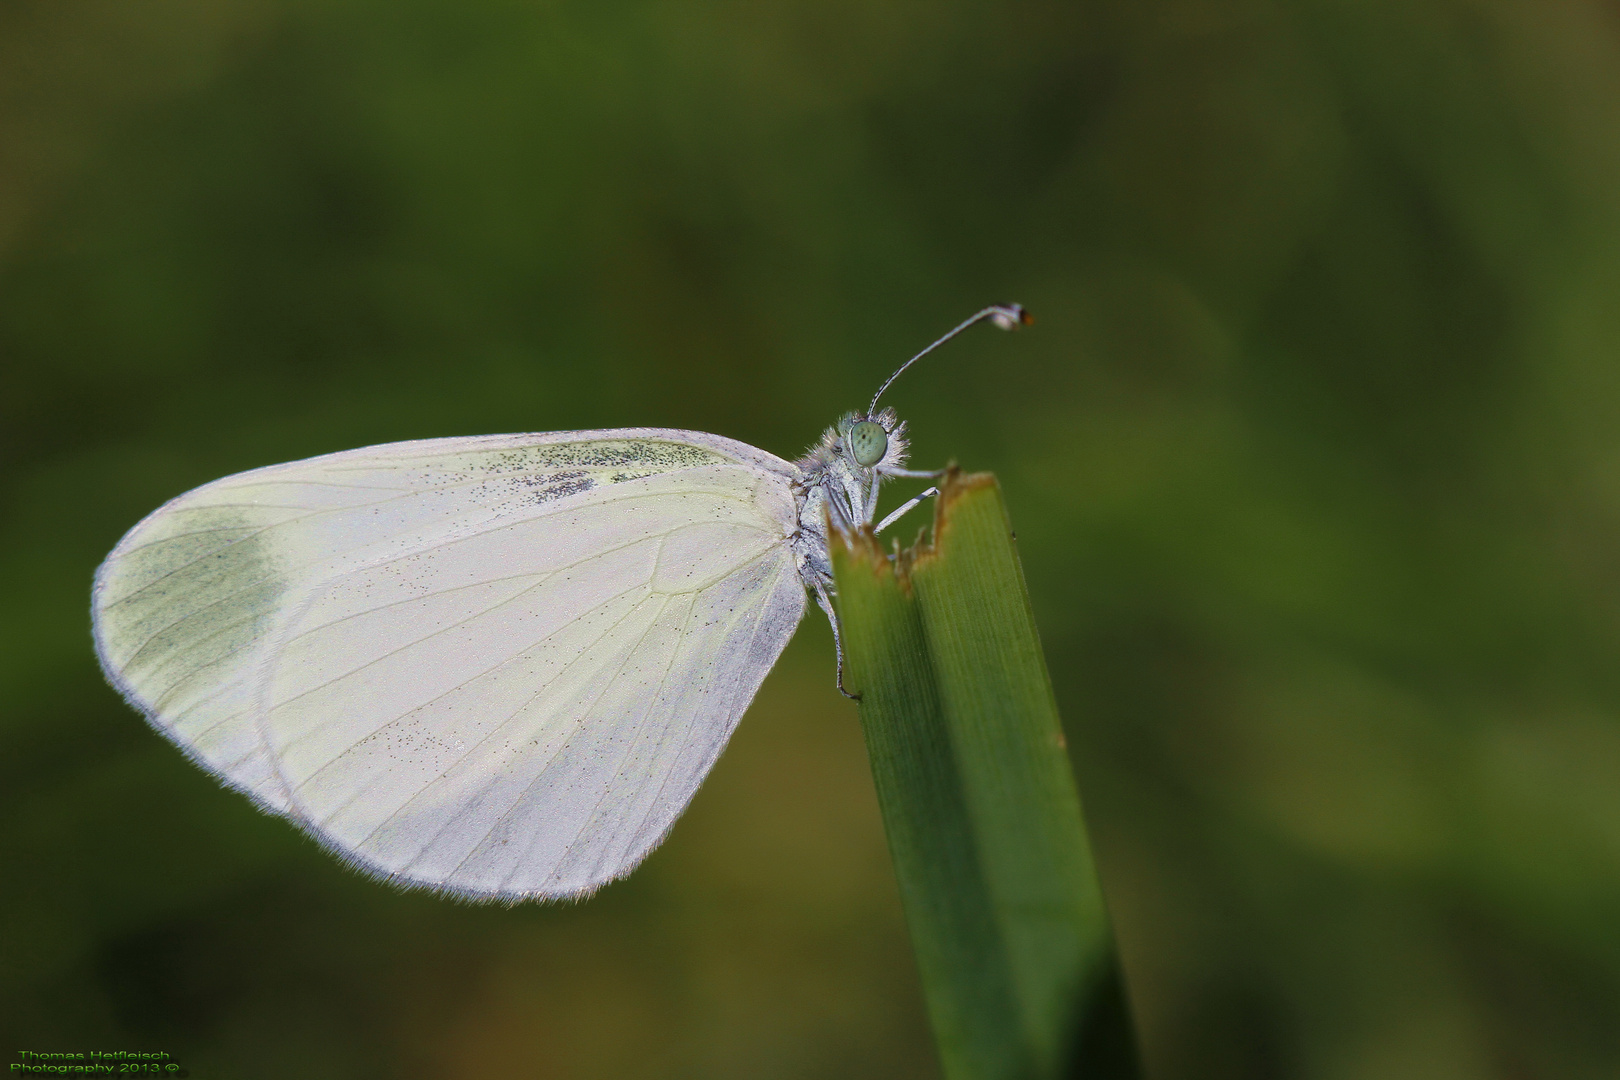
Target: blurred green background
[[1313, 453]]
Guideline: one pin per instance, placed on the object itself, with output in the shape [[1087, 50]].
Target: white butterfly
[[500, 666]]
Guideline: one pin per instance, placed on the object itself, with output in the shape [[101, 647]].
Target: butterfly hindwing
[[524, 710]]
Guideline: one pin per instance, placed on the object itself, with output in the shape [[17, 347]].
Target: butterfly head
[[859, 448], [870, 441]]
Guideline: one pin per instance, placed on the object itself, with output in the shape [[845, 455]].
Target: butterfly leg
[[904, 507], [824, 601]]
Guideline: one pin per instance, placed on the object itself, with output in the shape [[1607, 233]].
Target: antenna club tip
[[1011, 316], [1006, 316]]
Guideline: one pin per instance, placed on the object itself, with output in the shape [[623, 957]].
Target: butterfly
[[499, 666]]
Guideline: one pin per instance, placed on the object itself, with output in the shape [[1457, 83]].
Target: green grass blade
[[978, 799]]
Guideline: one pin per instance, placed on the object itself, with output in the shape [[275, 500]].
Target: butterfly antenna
[[1005, 316]]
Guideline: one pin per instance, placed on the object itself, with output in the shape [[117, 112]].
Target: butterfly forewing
[[446, 657]]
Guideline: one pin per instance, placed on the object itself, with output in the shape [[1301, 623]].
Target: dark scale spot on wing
[[181, 606], [649, 456], [544, 488], [514, 477]]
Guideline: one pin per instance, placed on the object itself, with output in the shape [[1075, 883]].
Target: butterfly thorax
[[836, 490]]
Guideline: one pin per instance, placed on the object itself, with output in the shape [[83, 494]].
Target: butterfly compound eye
[[868, 442]]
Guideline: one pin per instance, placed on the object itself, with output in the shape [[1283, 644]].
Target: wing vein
[[664, 602], [188, 617], [543, 575], [641, 728], [229, 626], [418, 641], [460, 622], [347, 802], [583, 720], [759, 623], [207, 555], [321, 483]]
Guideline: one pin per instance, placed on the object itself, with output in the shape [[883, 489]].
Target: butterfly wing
[[495, 666]]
